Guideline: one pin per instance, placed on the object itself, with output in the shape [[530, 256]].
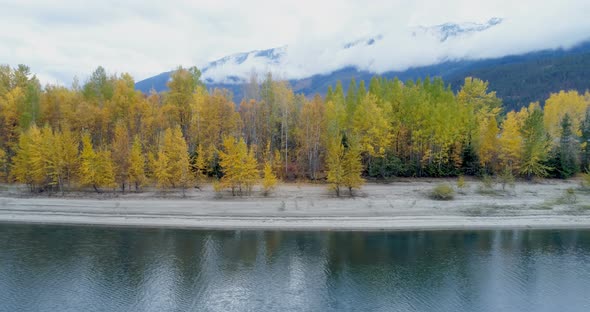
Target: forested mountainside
[[517, 79]]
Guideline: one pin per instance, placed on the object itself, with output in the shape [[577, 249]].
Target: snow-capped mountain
[[368, 53], [450, 30], [253, 60], [519, 68]]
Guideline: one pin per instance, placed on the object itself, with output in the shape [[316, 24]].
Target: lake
[[61, 268]]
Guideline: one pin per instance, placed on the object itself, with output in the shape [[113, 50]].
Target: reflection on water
[[54, 268]]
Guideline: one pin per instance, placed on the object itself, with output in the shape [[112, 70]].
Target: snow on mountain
[[450, 30], [225, 69], [367, 53]]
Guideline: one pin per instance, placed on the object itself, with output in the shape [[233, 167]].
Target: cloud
[[66, 38]]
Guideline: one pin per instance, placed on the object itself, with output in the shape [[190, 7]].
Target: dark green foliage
[[568, 148], [390, 166], [470, 165], [564, 162], [99, 86]]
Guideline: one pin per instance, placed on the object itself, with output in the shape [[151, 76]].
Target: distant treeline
[[105, 134]]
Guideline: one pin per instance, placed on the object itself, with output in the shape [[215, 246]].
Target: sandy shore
[[402, 205]]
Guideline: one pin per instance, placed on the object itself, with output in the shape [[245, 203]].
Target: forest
[[105, 135]]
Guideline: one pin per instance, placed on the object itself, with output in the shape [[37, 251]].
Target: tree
[[173, 167], [181, 87], [120, 152], [200, 165], [3, 164], [239, 166], [269, 180], [99, 87], [370, 124], [67, 158], [22, 167], [96, 168], [335, 165], [308, 135], [560, 104], [566, 163], [536, 144], [488, 143], [511, 141], [136, 164], [585, 142], [353, 168]]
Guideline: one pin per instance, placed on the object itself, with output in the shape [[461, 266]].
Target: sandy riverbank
[[402, 205]]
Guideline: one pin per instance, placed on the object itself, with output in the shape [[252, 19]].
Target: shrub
[[487, 182], [442, 191], [586, 180], [507, 178], [217, 188], [461, 182], [569, 196]]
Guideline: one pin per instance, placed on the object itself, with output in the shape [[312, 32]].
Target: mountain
[[517, 79], [303, 61], [449, 30]]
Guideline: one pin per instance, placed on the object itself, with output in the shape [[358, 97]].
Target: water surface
[[58, 268]]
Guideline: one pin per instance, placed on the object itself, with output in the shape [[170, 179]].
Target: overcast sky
[[62, 38]]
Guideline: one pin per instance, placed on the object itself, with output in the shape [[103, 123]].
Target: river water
[[59, 268]]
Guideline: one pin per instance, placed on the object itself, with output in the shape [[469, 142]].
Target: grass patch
[[442, 191]]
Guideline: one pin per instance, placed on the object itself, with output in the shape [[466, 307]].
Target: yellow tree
[[352, 167], [488, 142], [370, 125], [200, 165], [335, 164], [308, 132], [35, 161], [239, 166], [22, 166], [120, 152], [136, 164], [219, 119], [96, 168], [173, 167], [511, 140], [66, 157], [560, 104], [48, 158], [3, 164], [9, 122], [269, 180]]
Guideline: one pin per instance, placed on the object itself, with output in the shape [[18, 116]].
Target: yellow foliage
[[3, 163], [137, 164], [560, 104], [371, 126], [96, 168], [269, 180], [200, 165], [172, 168], [488, 143], [239, 166], [511, 140]]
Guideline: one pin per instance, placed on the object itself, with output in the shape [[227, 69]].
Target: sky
[[61, 39]]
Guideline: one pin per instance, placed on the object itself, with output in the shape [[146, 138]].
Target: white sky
[[63, 38]]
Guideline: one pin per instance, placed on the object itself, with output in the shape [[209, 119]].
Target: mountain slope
[[371, 53], [517, 79]]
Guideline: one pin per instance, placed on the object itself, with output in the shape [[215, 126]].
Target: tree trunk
[[96, 188]]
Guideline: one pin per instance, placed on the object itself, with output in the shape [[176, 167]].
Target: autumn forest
[[104, 135]]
